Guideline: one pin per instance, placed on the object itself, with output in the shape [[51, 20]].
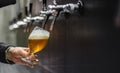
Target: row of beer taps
[[47, 13]]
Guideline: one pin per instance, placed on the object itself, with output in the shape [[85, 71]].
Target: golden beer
[[37, 45], [38, 40]]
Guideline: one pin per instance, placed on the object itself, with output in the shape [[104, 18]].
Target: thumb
[[25, 52]]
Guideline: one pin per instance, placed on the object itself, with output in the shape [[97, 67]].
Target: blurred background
[[81, 43]]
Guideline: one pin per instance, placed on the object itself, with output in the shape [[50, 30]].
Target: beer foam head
[[39, 34]]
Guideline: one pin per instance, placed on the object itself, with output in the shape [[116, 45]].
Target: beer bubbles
[[38, 39]]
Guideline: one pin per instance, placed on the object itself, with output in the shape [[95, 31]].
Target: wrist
[[9, 55]]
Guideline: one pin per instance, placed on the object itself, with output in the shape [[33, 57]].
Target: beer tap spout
[[46, 14], [55, 15]]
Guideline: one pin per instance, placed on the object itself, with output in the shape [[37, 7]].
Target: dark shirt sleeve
[[4, 3], [3, 48]]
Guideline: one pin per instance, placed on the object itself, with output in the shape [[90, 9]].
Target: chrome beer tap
[[70, 7], [52, 12]]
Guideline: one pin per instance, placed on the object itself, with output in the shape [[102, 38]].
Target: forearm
[[3, 49]]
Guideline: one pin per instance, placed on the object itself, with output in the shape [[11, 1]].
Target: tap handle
[[54, 2], [26, 11], [45, 21], [19, 16], [30, 8], [44, 1], [44, 5], [81, 7]]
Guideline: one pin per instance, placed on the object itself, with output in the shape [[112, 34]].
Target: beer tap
[[37, 19], [20, 22], [52, 12], [17, 22], [55, 15], [70, 7], [49, 13], [28, 20], [67, 8], [44, 5], [26, 8], [28, 12], [45, 13]]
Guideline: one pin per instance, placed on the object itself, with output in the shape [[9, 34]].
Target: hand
[[16, 53]]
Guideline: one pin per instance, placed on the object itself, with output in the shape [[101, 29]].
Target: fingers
[[20, 61], [30, 60], [33, 59], [21, 52], [16, 53]]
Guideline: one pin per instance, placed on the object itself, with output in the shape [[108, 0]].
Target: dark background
[[85, 43]]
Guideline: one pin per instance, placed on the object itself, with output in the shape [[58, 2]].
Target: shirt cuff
[[6, 57]]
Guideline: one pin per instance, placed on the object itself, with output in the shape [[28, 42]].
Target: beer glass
[[37, 41]]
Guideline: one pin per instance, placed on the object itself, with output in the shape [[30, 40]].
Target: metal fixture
[[51, 13]]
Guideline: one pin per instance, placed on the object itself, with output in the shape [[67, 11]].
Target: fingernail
[[37, 60]]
